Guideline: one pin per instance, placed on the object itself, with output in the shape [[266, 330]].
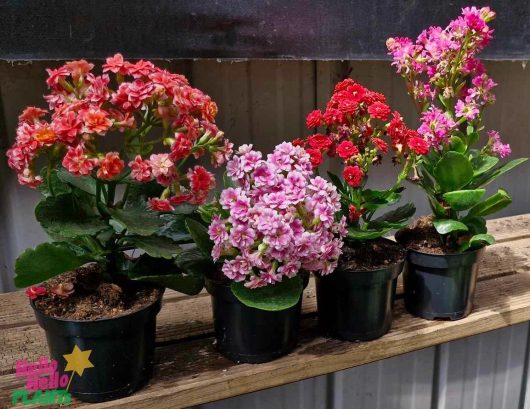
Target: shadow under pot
[[441, 285], [121, 351], [250, 335], [357, 305]]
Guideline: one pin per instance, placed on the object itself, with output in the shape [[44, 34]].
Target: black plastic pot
[[250, 335], [122, 351], [357, 305], [441, 286]]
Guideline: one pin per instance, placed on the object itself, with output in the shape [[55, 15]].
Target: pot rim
[[42, 314], [450, 255], [374, 270]]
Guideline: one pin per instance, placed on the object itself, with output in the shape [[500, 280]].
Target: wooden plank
[[193, 372]]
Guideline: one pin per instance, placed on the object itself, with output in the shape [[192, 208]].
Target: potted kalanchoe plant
[[451, 88], [272, 225], [355, 302], [105, 194]]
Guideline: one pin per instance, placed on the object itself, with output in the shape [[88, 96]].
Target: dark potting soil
[[84, 295], [422, 236], [371, 255]]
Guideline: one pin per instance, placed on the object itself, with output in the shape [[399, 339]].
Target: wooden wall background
[[265, 102]]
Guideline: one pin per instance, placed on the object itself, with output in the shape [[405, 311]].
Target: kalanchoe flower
[[130, 98], [276, 229], [35, 292]]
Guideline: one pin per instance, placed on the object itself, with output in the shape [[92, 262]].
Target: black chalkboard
[[287, 29]]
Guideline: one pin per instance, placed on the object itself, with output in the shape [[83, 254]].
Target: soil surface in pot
[[422, 236], [371, 255], [83, 294]]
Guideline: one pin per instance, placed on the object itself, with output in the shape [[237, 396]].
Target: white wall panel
[[402, 382], [308, 394], [484, 371]]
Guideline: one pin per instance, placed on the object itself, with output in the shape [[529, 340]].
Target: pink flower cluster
[[279, 220], [442, 64], [131, 99]]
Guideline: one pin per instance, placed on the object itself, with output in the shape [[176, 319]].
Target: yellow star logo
[[78, 361]]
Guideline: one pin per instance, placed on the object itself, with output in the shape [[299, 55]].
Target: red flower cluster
[[355, 118], [84, 107], [360, 128]]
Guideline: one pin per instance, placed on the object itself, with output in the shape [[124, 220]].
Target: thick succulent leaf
[[362, 235], [175, 228], [165, 273], [137, 220], [477, 241], [483, 163], [453, 171], [52, 185], [492, 174], [492, 204], [457, 144], [446, 226], [463, 199], [46, 261], [337, 182], [194, 261], [275, 297], [85, 183], [200, 236], [155, 246], [394, 218], [66, 216], [140, 192], [475, 224]]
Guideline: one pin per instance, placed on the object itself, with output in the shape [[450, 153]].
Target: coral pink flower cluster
[[278, 220], [442, 64], [128, 99]]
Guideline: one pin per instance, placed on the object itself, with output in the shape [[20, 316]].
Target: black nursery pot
[[441, 286], [249, 335], [122, 350], [357, 305]]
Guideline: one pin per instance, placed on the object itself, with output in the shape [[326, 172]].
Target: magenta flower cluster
[[278, 220], [446, 79]]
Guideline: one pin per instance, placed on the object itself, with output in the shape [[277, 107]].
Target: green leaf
[[166, 273], [492, 204], [175, 228], [453, 171], [193, 261], [140, 192], [155, 246], [337, 182], [475, 224], [446, 226], [200, 236], [227, 181], [489, 176], [458, 144], [66, 216], [45, 261], [273, 297], [52, 186], [463, 199], [477, 241], [363, 235], [394, 218], [85, 183], [436, 207], [483, 163], [137, 220]]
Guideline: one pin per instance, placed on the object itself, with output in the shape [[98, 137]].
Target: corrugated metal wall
[[265, 102]]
